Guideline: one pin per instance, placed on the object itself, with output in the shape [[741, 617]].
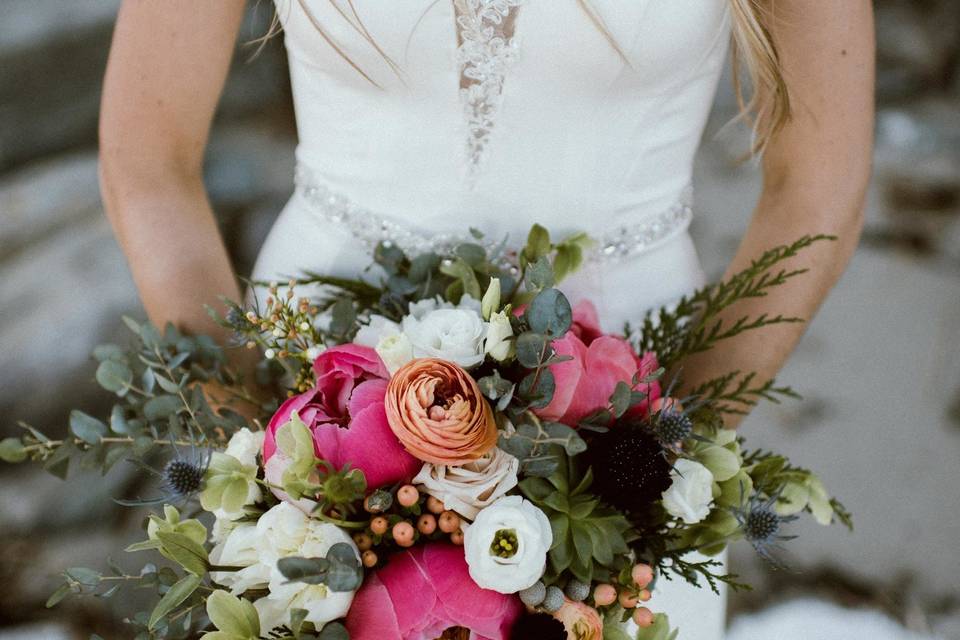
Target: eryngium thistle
[[630, 465], [182, 478], [673, 426], [761, 525]]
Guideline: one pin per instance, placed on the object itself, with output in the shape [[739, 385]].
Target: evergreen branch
[[691, 572], [740, 390], [692, 325]]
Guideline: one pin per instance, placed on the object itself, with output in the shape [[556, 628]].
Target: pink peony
[[345, 412], [423, 591], [586, 382]]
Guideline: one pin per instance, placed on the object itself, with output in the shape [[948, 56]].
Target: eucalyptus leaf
[[86, 427], [114, 376], [532, 349], [550, 313], [333, 631], [85, 576], [12, 450], [161, 407], [173, 597]]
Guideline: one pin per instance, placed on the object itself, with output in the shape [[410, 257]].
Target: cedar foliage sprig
[[735, 392], [694, 325]]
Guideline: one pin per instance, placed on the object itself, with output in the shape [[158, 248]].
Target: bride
[[420, 118]]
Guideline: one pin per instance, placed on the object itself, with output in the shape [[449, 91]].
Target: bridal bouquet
[[457, 450]]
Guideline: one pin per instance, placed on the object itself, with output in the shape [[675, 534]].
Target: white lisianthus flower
[[451, 333], [469, 488], [395, 350], [691, 493], [520, 532], [282, 531], [499, 344], [379, 327]]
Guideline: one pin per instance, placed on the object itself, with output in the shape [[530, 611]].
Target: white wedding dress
[[420, 119]]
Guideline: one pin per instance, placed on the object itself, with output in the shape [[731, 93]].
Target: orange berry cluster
[[629, 596], [406, 525]]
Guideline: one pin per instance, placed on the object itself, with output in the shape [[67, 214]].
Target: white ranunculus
[[379, 327], [451, 333], [395, 350], [499, 344], [691, 493], [471, 487], [522, 530], [282, 531]]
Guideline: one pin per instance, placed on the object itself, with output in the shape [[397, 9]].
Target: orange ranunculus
[[581, 621], [437, 412]]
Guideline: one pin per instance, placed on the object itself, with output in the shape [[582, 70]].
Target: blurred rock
[[52, 60], [918, 46]]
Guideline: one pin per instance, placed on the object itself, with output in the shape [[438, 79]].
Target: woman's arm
[[167, 67], [816, 170]]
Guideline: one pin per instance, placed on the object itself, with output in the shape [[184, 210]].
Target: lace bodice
[[444, 114]]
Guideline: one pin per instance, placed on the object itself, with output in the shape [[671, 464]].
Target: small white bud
[[270, 354], [304, 326], [278, 333]]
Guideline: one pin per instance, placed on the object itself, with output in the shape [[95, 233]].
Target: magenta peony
[[345, 412], [422, 592], [598, 362]]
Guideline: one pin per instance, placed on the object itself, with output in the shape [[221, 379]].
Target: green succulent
[[589, 538]]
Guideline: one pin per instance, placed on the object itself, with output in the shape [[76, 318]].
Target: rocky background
[[880, 366]]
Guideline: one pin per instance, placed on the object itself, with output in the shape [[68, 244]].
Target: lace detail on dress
[[487, 47], [371, 228]]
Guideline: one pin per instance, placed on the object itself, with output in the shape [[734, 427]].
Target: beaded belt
[[371, 228]]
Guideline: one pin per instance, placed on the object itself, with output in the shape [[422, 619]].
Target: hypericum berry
[[363, 541], [533, 595], [577, 590], [379, 525], [369, 559], [427, 524], [645, 595], [643, 617], [553, 600], [182, 477], [642, 574], [408, 495], [403, 533], [604, 595], [434, 506], [628, 599], [457, 537], [449, 522], [673, 426]]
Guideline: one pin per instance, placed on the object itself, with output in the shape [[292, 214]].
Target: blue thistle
[[761, 525], [181, 478]]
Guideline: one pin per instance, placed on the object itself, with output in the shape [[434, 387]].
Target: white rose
[[690, 495], [395, 350], [282, 531], [499, 343], [454, 334], [379, 327], [471, 487], [523, 533]]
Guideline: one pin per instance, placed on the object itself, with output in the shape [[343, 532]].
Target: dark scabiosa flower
[[537, 626], [762, 525], [181, 478], [630, 466]]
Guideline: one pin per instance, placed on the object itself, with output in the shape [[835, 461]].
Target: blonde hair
[[765, 105]]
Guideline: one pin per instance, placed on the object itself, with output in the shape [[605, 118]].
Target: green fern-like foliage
[[694, 325]]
